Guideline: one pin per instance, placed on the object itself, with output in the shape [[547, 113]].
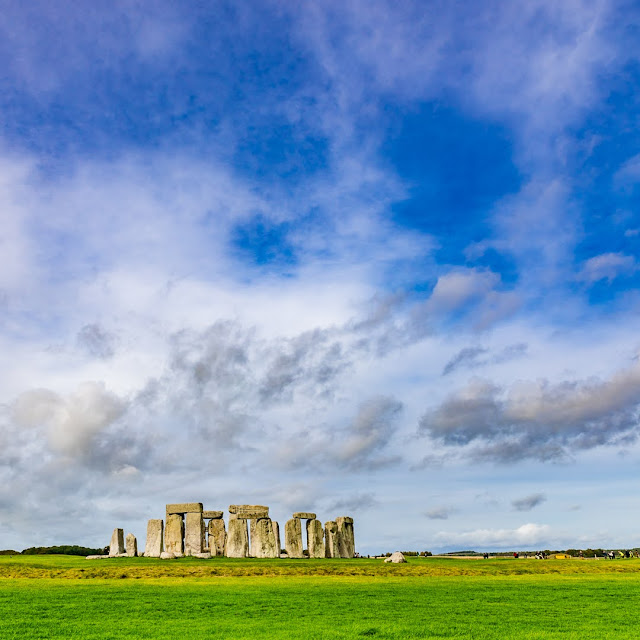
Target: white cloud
[[71, 423], [607, 266], [526, 535]]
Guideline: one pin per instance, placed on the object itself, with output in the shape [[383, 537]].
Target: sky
[[377, 259]]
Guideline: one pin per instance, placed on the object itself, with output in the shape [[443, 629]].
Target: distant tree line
[[586, 553], [65, 549]]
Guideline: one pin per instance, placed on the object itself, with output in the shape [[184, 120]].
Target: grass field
[[70, 597]]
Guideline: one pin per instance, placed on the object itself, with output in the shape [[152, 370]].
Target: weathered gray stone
[[96, 557], [249, 511], [396, 557], [167, 555], [304, 515], [120, 555], [184, 507], [174, 534], [154, 544], [212, 514], [234, 508], [276, 531], [132, 545], [315, 539], [237, 539], [331, 542], [193, 534], [263, 539], [217, 537], [117, 543], [346, 539], [205, 555], [251, 515], [293, 538]]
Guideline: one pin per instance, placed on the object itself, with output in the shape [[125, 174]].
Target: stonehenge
[[263, 539], [174, 534], [237, 539], [315, 539], [131, 545], [116, 547], [217, 535], [346, 541], [154, 546], [293, 538], [193, 534], [190, 530], [331, 540]]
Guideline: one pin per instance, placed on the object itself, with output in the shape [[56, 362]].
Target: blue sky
[[365, 258]]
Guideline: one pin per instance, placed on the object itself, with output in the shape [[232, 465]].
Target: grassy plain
[[70, 597]]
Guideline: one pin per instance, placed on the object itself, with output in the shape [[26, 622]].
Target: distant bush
[[9, 552], [67, 550]]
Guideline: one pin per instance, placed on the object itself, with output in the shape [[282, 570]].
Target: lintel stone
[[184, 507], [212, 515], [304, 515], [252, 515], [239, 509]]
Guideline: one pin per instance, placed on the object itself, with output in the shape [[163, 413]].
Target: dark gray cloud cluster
[[528, 502], [471, 357], [440, 513], [537, 419]]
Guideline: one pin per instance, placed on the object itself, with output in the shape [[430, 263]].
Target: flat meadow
[[71, 597]]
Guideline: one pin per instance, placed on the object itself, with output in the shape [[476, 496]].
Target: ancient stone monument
[[132, 545], [216, 533], [174, 534], [190, 530], [154, 545], [116, 547], [237, 538], [193, 534], [293, 538], [315, 538], [346, 541], [331, 540]]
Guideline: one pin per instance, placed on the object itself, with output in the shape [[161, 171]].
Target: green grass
[[431, 598]]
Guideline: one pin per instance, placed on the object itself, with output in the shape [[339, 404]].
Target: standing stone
[[217, 537], [193, 534], [346, 539], [132, 545], [293, 538], [315, 540], [276, 531], [237, 539], [153, 547], [263, 539], [331, 536], [174, 534], [117, 543]]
